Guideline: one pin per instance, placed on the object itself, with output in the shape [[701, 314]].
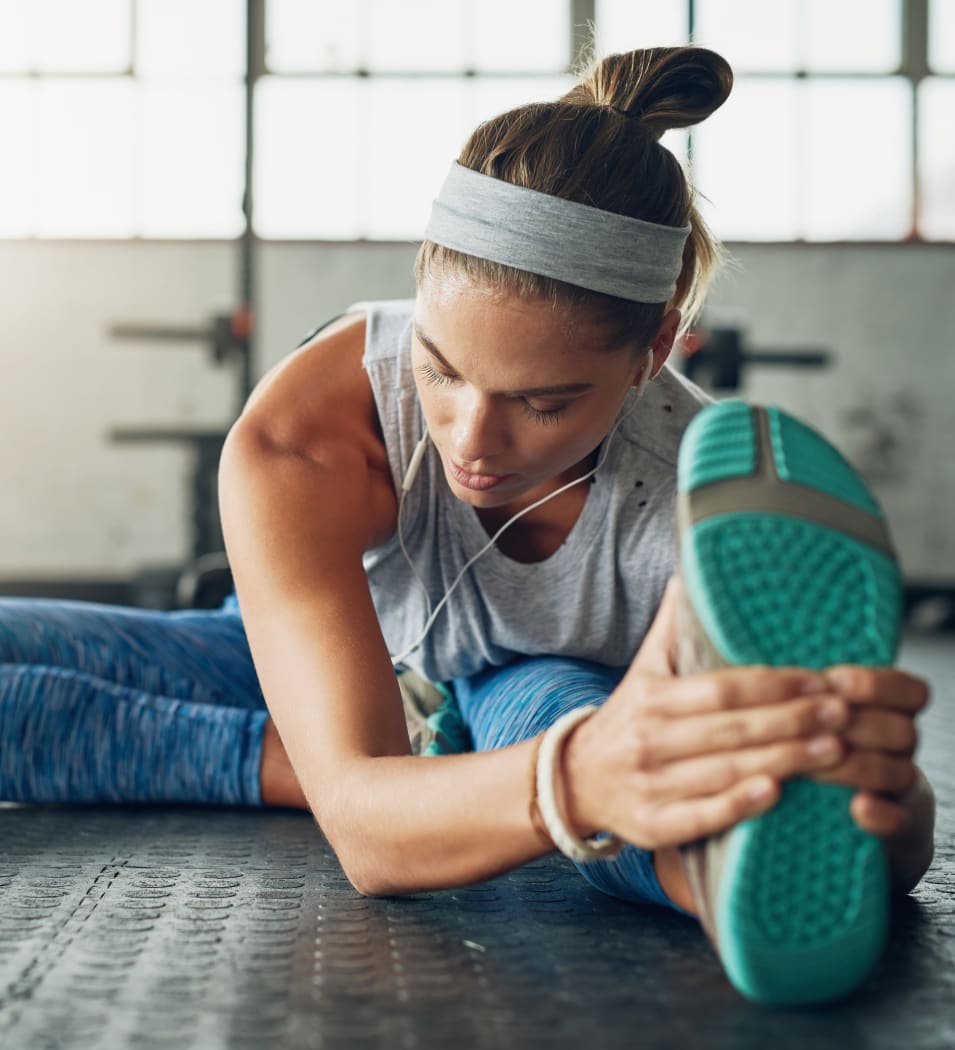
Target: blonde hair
[[599, 145]]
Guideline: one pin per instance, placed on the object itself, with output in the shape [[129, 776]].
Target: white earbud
[[406, 484], [409, 477], [416, 457]]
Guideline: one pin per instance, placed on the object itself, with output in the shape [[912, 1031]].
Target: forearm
[[911, 851], [401, 824]]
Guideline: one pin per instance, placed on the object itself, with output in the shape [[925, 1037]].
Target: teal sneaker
[[786, 560]]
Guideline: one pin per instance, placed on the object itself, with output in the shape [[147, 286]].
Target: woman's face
[[516, 396]]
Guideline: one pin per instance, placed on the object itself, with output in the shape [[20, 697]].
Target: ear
[[665, 338], [662, 343]]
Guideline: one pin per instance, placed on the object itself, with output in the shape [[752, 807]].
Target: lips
[[478, 482]]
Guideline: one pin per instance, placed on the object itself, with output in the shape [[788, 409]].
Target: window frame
[[913, 66]]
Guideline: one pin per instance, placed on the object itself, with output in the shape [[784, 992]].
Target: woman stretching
[[666, 627]]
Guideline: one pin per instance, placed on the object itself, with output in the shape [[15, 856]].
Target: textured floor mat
[[193, 927]]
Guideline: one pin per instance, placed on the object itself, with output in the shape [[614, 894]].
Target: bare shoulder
[[314, 388], [318, 403]]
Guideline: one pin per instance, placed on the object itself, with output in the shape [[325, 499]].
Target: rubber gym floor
[[198, 927]]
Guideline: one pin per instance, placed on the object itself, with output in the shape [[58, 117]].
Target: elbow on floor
[[371, 884], [364, 871], [382, 876]]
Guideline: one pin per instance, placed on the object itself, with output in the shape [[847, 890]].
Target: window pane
[[414, 35], [745, 162], [16, 36], [423, 35], [313, 36], [89, 37], [182, 38], [858, 153], [623, 25], [404, 168], [489, 98], [750, 34], [677, 142], [850, 36], [941, 35], [193, 160], [937, 159], [309, 167], [532, 36], [818, 35], [15, 107], [81, 158]]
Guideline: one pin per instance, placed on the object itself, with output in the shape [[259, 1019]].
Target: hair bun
[[660, 87]]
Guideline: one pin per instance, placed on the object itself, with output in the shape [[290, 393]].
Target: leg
[[102, 703], [505, 705], [201, 656]]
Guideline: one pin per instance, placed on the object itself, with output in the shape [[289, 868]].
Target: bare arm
[[299, 507], [305, 489]]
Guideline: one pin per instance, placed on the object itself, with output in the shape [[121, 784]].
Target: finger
[[729, 689], [879, 686], [711, 774], [667, 740], [879, 816], [879, 730], [690, 819], [872, 771]]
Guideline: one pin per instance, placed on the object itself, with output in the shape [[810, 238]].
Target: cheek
[[438, 405]]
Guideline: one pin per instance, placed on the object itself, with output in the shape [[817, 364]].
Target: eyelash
[[543, 416]]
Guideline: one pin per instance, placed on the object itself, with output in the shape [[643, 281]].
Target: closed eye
[[431, 375], [544, 416]]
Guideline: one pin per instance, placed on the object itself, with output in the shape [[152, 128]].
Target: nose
[[477, 434]]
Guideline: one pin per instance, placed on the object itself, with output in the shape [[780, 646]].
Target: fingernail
[[831, 713], [823, 746], [761, 790], [813, 684], [840, 679]]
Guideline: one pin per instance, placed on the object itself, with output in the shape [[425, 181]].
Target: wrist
[[572, 780], [549, 777]]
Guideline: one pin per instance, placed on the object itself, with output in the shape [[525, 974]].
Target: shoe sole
[[787, 561]]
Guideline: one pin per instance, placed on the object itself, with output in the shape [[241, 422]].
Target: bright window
[[129, 119], [937, 156], [941, 36], [816, 139], [363, 112]]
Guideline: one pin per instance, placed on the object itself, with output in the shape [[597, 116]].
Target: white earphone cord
[[416, 458]]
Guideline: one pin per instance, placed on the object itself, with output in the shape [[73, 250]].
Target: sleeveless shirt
[[593, 599]]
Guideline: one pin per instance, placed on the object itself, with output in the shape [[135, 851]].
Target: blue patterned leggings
[[104, 703]]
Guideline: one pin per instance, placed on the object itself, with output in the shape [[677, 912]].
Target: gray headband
[[600, 250]]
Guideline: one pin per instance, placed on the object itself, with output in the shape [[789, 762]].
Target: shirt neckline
[[568, 555]]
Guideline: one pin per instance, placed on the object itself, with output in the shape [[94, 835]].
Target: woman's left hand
[[881, 739]]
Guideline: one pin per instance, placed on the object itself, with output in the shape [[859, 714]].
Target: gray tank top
[[593, 599]]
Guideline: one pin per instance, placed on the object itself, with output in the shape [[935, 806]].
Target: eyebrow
[[538, 391]]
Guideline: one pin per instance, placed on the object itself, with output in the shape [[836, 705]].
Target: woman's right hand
[[667, 760]]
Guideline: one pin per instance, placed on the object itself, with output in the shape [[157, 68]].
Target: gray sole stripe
[[765, 492]]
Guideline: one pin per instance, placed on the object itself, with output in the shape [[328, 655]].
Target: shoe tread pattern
[[704, 461], [802, 908]]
